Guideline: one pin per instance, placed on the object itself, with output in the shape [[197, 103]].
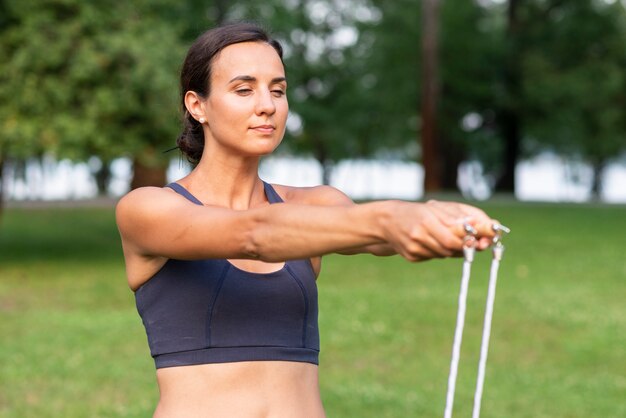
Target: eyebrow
[[250, 78]]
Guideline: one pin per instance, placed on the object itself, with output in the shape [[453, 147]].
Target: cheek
[[227, 113], [282, 109]]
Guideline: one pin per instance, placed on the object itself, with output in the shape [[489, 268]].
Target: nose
[[265, 103]]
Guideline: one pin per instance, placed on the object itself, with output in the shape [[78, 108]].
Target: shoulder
[[144, 202], [144, 196], [316, 195]]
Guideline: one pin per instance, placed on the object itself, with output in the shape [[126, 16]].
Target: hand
[[456, 215], [421, 231]]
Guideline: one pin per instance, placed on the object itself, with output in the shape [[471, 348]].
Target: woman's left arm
[[330, 196]]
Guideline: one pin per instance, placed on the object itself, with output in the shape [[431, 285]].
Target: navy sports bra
[[209, 311]]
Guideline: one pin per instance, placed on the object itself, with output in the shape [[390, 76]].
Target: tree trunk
[[430, 93], [102, 177], [452, 156], [321, 155], [511, 132], [144, 175], [510, 120], [1, 184], [327, 171], [596, 186]]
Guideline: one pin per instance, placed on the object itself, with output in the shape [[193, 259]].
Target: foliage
[[470, 57], [471, 61], [559, 71], [74, 345], [79, 79], [88, 78], [575, 77], [331, 89], [393, 63]]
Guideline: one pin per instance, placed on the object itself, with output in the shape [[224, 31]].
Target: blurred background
[[388, 99], [518, 106]]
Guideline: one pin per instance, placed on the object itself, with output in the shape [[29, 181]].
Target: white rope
[[458, 332], [484, 346], [468, 252]]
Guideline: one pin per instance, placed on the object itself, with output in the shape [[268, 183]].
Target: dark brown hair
[[195, 75]]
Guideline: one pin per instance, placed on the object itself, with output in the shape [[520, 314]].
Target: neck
[[231, 182]]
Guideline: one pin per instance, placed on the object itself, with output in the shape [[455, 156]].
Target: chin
[[264, 149]]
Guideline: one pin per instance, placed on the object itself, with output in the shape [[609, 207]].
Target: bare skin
[[248, 389], [245, 116]]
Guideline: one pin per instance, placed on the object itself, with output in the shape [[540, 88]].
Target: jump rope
[[469, 248]]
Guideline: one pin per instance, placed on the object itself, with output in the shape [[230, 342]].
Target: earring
[[202, 120]]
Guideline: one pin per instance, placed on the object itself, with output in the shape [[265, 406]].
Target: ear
[[195, 105]]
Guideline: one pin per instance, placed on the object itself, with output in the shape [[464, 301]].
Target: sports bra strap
[[270, 193], [184, 192]]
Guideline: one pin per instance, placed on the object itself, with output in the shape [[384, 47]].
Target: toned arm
[[157, 223], [447, 215]]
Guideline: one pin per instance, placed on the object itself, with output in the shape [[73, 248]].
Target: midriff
[[251, 389]]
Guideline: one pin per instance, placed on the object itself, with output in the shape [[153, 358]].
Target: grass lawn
[[72, 343]]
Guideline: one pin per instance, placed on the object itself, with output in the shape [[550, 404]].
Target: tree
[[562, 83], [471, 60], [6, 22], [430, 95], [393, 66], [575, 80], [469, 54], [89, 78], [509, 110], [330, 88]]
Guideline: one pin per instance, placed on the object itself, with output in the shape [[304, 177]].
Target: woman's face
[[246, 110]]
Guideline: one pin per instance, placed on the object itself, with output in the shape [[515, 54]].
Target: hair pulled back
[[195, 75]]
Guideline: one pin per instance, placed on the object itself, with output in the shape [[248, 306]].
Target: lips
[[264, 128]]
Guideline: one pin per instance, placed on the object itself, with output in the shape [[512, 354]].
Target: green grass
[[72, 344]]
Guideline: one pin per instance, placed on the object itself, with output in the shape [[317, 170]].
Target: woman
[[224, 265]]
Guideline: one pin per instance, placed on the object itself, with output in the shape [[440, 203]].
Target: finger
[[417, 252], [483, 243], [439, 238], [449, 213], [483, 230], [458, 229], [477, 216], [413, 259], [452, 213], [435, 248]]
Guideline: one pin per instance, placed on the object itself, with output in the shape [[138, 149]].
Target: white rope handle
[[468, 252], [458, 337], [498, 249]]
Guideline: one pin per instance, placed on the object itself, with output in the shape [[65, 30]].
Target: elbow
[[250, 246], [258, 248], [261, 240], [253, 245], [251, 250]]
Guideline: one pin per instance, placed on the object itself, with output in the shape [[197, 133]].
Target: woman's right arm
[[156, 222]]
